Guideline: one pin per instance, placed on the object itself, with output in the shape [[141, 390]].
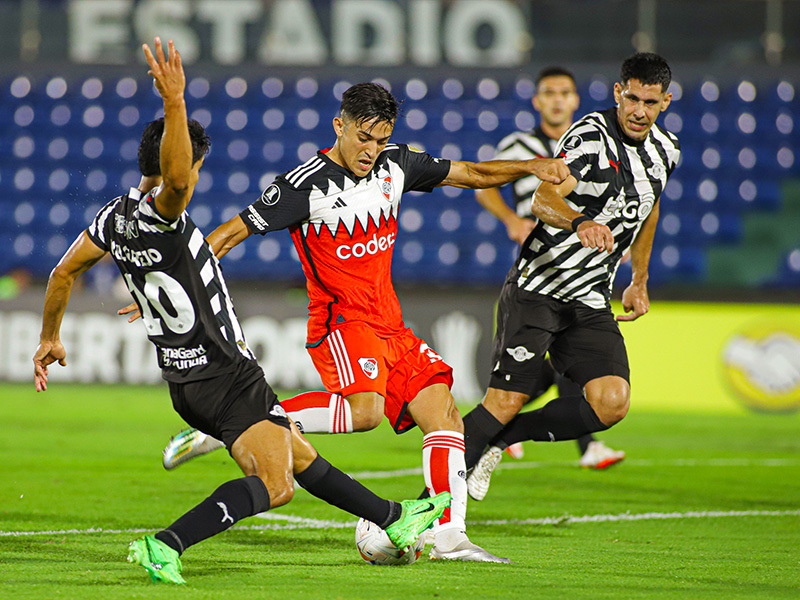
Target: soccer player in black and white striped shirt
[[215, 382], [556, 100], [556, 298]]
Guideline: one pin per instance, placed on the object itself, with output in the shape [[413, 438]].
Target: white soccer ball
[[376, 548]]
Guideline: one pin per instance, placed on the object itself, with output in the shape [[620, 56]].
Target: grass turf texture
[[80, 457]]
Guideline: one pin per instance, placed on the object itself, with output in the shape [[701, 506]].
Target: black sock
[[480, 426], [232, 501], [328, 483], [583, 443], [560, 419]]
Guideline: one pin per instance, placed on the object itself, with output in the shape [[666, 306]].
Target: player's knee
[[610, 401], [504, 405], [366, 420], [280, 492], [367, 411]]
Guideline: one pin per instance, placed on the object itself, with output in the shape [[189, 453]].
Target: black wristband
[[578, 220]]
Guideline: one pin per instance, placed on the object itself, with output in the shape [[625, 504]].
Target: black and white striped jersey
[[523, 145], [619, 182], [176, 280]]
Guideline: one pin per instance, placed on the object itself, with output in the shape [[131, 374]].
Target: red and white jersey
[[344, 229]]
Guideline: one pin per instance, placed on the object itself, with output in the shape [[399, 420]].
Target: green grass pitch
[[704, 507]]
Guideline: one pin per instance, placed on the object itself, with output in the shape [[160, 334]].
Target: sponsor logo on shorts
[[369, 366], [520, 353], [277, 411]]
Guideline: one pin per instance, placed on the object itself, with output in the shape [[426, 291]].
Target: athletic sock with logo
[[320, 412], [232, 501], [328, 483], [445, 471], [480, 426], [566, 418]]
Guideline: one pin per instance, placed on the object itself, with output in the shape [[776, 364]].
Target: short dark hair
[[367, 101], [554, 71], [150, 146], [647, 67]]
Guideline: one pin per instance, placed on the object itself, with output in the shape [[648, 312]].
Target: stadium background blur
[[266, 78]]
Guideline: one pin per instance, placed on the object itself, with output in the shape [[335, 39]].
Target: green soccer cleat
[[416, 517], [188, 444], [158, 559]]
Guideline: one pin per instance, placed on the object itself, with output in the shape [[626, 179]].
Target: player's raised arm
[[176, 145], [494, 173], [549, 206], [81, 256], [635, 299]]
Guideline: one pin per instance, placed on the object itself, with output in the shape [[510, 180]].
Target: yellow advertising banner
[[715, 358]]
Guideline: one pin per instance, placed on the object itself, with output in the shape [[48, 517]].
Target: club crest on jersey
[[369, 366], [271, 195], [124, 227], [386, 187], [520, 353], [656, 171]]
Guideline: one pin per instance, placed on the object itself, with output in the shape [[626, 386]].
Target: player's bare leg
[[435, 413], [609, 396], [264, 454]]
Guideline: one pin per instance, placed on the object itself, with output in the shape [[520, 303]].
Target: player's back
[[176, 280]]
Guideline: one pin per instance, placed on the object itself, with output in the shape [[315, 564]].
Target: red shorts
[[354, 359]]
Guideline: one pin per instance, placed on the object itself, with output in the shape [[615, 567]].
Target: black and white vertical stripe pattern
[[618, 185], [522, 145], [207, 266]]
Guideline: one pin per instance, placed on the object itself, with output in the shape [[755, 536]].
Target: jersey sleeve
[[281, 205], [581, 148], [422, 171], [99, 227]]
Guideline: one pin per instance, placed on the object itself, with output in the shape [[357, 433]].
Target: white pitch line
[[630, 462], [304, 523]]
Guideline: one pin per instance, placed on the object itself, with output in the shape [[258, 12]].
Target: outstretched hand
[[46, 354], [133, 310], [636, 301], [552, 170], [595, 235], [167, 71]]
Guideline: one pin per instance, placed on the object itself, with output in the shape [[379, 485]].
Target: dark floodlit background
[[266, 77]]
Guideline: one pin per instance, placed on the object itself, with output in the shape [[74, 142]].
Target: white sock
[[320, 412], [445, 471]]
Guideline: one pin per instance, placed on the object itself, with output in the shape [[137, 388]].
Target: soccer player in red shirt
[[341, 208]]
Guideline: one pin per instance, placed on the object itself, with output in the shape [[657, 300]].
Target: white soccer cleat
[[481, 475], [516, 450], [466, 551], [600, 456], [188, 444]]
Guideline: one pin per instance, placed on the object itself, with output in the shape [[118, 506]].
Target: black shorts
[[584, 343], [227, 405]]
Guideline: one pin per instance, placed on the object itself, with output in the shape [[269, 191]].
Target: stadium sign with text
[[305, 32]]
